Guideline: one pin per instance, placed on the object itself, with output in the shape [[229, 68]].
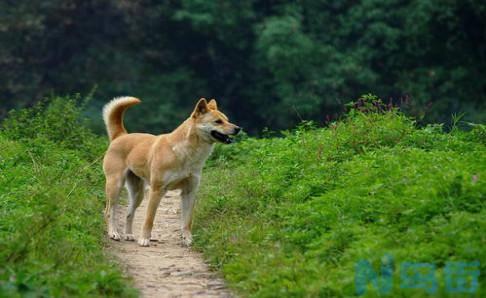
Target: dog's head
[[211, 124]]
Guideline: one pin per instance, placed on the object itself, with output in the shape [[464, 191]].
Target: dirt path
[[166, 268]]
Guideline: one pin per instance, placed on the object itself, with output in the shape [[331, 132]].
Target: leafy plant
[[291, 216], [51, 202]]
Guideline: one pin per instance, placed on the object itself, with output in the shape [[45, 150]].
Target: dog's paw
[[144, 242], [186, 239], [115, 235], [129, 237]]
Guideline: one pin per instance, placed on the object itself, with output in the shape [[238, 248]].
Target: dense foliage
[[51, 203], [292, 216], [271, 63]]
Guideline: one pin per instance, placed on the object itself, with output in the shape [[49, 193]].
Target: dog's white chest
[[191, 163], [176, 176]]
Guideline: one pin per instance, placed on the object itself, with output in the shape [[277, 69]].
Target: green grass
[[291, 216], [286, 216], [51, 207]]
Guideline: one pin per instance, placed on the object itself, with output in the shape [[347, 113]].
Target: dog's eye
[[219, 121]]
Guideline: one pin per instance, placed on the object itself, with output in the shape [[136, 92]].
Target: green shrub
[[51, 205], [57, 119], [291, 216]]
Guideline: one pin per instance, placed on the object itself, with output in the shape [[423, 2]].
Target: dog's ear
[[201, 108], [212, 104]]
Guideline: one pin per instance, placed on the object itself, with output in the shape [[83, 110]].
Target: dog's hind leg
[[135, 187], [114, 183]]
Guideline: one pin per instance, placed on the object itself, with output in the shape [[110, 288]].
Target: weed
[[51, 202], [290, 216]]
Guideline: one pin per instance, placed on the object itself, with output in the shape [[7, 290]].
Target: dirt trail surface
[[166, 268]]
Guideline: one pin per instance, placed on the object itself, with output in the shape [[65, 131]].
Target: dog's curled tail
[[113, 115]]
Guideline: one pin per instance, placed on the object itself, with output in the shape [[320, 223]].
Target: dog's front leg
[[155, 195], [188, 200]]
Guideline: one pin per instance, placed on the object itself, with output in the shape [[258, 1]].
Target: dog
[[164, 162]]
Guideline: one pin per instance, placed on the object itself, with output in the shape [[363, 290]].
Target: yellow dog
[[164, 162]]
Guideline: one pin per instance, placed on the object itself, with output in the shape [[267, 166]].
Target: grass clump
[[292, 216], [51, 203]]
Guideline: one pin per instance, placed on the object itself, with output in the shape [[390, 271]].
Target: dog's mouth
[[221, 137]]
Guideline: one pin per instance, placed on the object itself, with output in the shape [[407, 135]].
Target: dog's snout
[[237, 130]]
